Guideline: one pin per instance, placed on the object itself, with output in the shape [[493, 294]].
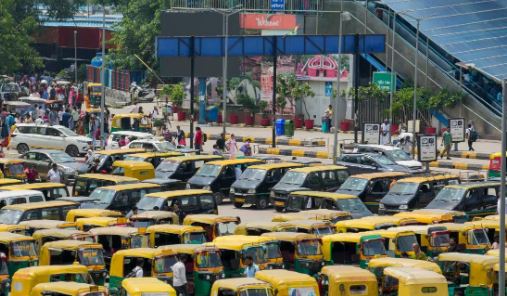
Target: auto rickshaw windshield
[[91, 256], [404, 243], [23, 249], [404, 188], [253, 175], [208, 259], [163, 264], [194, 238], [273, 250], [293, 178], [139, 241], [440, 239], [209, 170], [258, 254], [226, 228], [10, 216], [255, 292], [447, 198], [324, 230], [374, 247], [309, 247], [479, 237], [354, 184], [149, 203], [103, 196]]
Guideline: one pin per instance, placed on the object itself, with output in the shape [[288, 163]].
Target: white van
[[20, 197]]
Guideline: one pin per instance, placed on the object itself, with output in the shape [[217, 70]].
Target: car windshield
[[68, 132], [404, 188], [11, 87], [209, 170], [166, 146], [207, 259], [257, 253], [61, 157], [194, 238], [103, 196], [149, 203], [309, 247], [167, 166], [91, 256], [398, 155], [374, 247], [253, 174], [447, 198], [479, 237], [354, 184], [353, 205], [23, 249], [259, 292], [226, 228], [404, 243], [293, 178], [163, 264], [10, 216], [383, 160], [273, 250]]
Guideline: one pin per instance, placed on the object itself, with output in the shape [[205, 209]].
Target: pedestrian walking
[[221, 142], [385, 132], [251, 268], [471, 135], [180, 276], [246, 148], [216, 150], [54, 174], [198, 140], [328, 115], [180, 134], [446, 143], [31, 173], [232, 146]]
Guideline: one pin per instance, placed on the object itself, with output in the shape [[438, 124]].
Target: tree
[[288, 89], [175, 92]]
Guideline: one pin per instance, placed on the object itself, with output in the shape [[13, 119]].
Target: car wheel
[[262, 203], [22, 148], [72, 150], [238, 205], [219, 198]]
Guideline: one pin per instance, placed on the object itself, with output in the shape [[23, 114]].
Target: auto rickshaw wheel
[[238, 205], [219, 198], [262, 203], [22, 148], [72, 150]]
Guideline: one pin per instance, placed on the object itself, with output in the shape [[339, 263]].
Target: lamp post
[[416, 72], [103, 79], [75, 56], [501, 210]]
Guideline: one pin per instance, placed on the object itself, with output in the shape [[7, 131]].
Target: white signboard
[[427, 148], [371, 133], [457, 129]]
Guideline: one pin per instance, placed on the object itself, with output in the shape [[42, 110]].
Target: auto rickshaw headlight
[[222, 275], [251, 190], [208, 277], [403, 207]]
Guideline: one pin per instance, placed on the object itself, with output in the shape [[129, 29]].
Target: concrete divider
[[268, 141]]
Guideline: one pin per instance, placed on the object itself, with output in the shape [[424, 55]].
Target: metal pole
[[338, 87], [103, 76], [356, 87], [275, 62], [393, 79], [224, 74], [427, 59], [75, 56], [192, 90], [501, 211], [414, 109]]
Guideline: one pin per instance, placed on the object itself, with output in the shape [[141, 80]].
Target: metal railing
[[290, 5]]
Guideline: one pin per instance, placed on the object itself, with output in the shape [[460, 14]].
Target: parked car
[[155, 145], [43, 159], [114, 138], [10, 91], [30, 136], [360, 163], [394, 154]]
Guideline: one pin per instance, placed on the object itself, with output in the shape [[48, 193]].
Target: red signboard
[[259, 21]]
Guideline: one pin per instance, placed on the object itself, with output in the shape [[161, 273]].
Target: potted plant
[[176, 94], [251, 106], [291, 90], [263, 105]]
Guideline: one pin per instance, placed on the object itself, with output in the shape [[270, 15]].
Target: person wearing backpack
[[471, 135]]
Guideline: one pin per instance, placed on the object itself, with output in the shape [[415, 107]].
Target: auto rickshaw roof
[[209, 218], [187, 248], [178, 193], [120, 151], [128, 115], [67, 288], [430, 216], [38, 205], [173, 228], [415, 276], [108, 177], [469, 258], [419, 229], [130, 186], [11, 161], [156, 154], [469, 186], [45, 224], [345, 273], [237, 242], [263, 225], [372, 176], [320, 214], [370, 222], [428, 178], [323, 194], [194, 158], [389, 233], [6, 237], [57, 232], [69, 244], [235, 161], [308, 224], [235, 284], [454, 227], [11, 227], [9, 181], [114, 230], [289, 236], [276, 165], [318, 168], [484, 223], [88, 213], [93, 84], [142, 252], [34, 186], [133, 164], [146, 285], [492, 217], [99, 221], [154, 215], [347, 237], [50, 269], [403, 262], [281, 276], [494, 252]]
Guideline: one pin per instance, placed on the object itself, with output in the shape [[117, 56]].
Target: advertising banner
[[457, 129], [371, 133], [427, 148]]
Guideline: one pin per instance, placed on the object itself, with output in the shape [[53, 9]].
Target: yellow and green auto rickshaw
[[352, 248], [204, 266], [171, 234], [345, 280], [18, 229], [214, 225], [13, 168], [43, 236], [64, 252], [468, 274], [490, 225], [241, 286], [16, 251], [433, 239], [332, 216], [409, 281], [68, 289], [258, 228], [135, 169], [301, 252], [115, 238], [106, 158], [155, 263], [155, 158], [25, 279], [148, 218], [146, 286], [316, 227], [377, 265], [495, 166], [398, 243], [137, 122], [34, 225], [372, 223], [235, 248], [468, 237], [434, 216], [75, 214], [288, 283]]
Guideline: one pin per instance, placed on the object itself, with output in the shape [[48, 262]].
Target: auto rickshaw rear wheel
[[219, 198], [262, 203]]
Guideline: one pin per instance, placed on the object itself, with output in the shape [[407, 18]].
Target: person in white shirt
[[138, 271], [54, 174], [180, 276]]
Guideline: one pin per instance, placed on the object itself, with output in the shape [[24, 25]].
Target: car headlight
[[381, 206], [251, 190], [403, 207], [206, 188], [208, 277], [232, 190], [187, 186]]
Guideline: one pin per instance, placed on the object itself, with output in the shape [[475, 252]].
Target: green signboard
[[385, 80]]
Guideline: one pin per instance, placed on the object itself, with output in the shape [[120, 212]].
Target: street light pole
[[338, 87], [501, 210], [393, 75], [103, 78], [75, 56], [414, 108]]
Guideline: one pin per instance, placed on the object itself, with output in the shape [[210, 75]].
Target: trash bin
[[212, 114], [289, 128], [324, 127], [280, 126]]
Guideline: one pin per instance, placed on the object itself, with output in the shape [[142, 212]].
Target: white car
[[32, 136], [157, 145], [394, 154], [114, 138]]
